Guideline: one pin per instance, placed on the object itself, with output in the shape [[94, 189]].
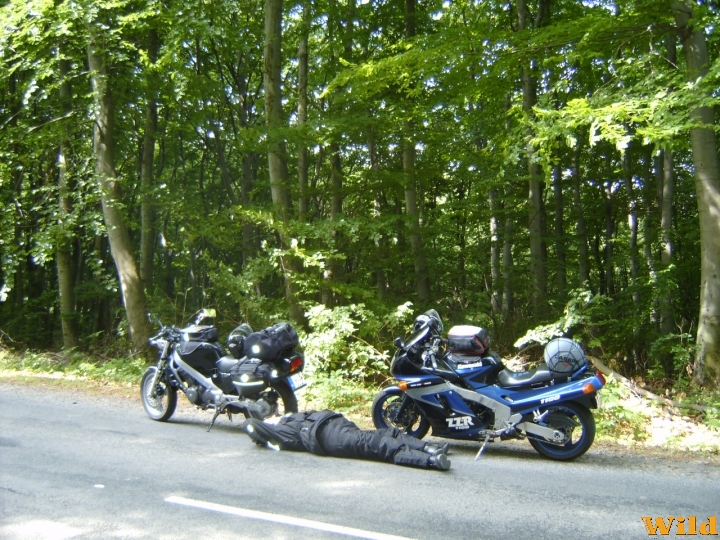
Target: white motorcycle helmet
[[564, 356]]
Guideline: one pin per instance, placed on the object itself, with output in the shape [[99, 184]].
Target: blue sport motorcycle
[[461, 390]]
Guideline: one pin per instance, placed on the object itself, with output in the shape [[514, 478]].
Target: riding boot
[[435, 449], [261, 434], [417, 458]]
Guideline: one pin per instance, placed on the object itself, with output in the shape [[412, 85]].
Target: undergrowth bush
[[335, 391], [353, 341], [615, 419], [75, 364]]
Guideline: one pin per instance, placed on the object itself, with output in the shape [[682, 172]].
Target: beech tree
[[514, 165], [133, 293], [707, 187]]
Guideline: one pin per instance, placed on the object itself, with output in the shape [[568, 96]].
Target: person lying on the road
[[329, 433]]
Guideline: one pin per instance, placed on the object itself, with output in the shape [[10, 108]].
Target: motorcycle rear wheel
[[581, 436], [288, 399], [385, 409], [160, 402]]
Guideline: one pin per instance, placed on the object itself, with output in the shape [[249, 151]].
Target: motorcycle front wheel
[[578, 425], [159, 402], [386, 413]]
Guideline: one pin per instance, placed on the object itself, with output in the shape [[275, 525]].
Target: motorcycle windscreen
[[417, 337]]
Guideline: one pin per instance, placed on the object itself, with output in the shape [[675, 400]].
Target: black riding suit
[[328, 433]]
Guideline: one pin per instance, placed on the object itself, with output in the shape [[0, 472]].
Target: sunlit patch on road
[[39, 530]]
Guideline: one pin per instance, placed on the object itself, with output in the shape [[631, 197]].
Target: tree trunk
[[581, 226], [667, 317], [507, 259], [277, 167], [529, 87], [147, 210], [248, 231], [422, 281], [380, 248], [225, 172], [249, 163], [133, 293], [561, 278], [609, 264], [508, 304], [667, 200], [332, 270], [64, 256], [303, 153], [633, 226], [707, 189], [495, 302]]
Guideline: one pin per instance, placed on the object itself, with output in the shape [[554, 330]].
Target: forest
[[534, 167]]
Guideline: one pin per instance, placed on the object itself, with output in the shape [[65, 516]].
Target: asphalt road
[[76, 465]]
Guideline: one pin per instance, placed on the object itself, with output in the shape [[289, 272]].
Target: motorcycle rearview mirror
[[205, 313]]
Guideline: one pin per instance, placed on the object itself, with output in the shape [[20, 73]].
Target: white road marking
[[286, 520]]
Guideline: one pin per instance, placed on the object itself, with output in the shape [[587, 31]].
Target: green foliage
[[615, 419], [679, 348], [577, 314], [75, 365], [335, 391], [340, 341], [605, 91]]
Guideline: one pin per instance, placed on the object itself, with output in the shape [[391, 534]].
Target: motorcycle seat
[[225, 363], [511, 379]]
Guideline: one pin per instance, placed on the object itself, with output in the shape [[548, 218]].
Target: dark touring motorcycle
[[261, 372], [463, 391]]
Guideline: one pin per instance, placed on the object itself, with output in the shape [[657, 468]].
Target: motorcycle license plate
[[297, 381]]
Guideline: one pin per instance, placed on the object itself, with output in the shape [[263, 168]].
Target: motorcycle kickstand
[[218, 412], [482, 448]]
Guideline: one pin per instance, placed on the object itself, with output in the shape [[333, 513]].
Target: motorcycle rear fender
[[528, 400], [588, 400]]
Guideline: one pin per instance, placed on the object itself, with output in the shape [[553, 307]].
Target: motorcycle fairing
[[446, 406], [448, 413]]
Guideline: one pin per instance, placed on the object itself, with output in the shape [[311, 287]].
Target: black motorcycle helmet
[[236, 340], [483, 337], [429, 318]]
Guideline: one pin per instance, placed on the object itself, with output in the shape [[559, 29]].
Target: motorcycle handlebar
[[166, 332]]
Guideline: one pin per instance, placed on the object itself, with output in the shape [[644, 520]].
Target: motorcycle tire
[[581, 436], [160, 402], [287, 397], [384, 414]]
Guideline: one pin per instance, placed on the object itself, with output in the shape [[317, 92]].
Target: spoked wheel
[[387, 411], [159, 402], [576, 422]]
